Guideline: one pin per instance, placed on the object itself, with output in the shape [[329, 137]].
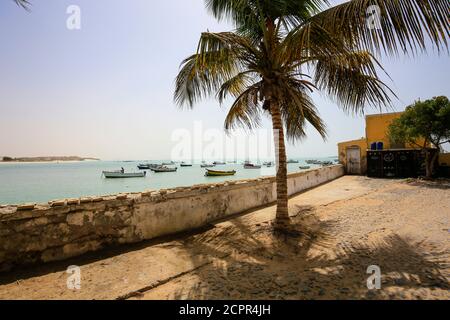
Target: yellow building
[[353, 154]]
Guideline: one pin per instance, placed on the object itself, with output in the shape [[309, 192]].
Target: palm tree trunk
[[282, 220]]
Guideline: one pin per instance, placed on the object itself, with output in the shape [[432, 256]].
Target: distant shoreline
[[46, 159]]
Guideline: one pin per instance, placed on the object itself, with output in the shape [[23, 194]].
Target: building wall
[[377, 127], [342, 150], [68, 228]]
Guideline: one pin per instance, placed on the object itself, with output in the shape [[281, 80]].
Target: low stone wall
[[71, 227]]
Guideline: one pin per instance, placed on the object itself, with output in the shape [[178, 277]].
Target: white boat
[[147, 166], [206, 165], [120, 174], [164, 169]]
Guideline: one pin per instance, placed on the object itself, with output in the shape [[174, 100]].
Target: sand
[[347, 225]]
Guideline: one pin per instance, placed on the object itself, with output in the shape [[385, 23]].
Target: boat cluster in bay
[[171, 166]]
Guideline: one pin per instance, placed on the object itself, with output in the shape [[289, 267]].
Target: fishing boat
[[214, 173], [207, 165], [305, 167], [292, 161], [217, 163], [251, 166], [120, 174], [183, 164], [269, 164], [164, 169], [147, 166]]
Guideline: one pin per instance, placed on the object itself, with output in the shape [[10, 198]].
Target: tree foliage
[[427, 121]]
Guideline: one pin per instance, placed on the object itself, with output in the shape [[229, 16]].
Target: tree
[[424, 123], [282, 50]]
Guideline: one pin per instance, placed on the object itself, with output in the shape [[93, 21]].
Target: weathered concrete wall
[[71, 227]]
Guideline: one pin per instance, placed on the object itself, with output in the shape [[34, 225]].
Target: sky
[[106, 90]]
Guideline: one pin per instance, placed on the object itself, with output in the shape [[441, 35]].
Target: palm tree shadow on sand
[[256, 264]]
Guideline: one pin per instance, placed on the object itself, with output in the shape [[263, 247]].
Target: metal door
[[353, 161]]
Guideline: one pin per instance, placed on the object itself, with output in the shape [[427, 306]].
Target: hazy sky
[[106, 90]]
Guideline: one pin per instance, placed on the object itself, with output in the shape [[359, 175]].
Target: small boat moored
[[164, 169], [214, 173], [251, 166], [207, 165], [121, 174], [184, 164], [147, 166], [305, 167]]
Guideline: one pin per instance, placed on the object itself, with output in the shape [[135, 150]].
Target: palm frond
[[23, 3], [298, 109], [352, 80], [404, 25], [236, 85], [242, 12], [305, 43], [245, 111]]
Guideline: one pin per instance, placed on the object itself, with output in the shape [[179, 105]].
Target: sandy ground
[[349, 224]]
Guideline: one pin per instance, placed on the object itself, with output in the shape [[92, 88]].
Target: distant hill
[[45, 159]]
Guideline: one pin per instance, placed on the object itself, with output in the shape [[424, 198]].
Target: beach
[[349, 224]]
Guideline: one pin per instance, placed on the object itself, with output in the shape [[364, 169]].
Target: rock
[[27, 206], [57, 203], [72, 201]]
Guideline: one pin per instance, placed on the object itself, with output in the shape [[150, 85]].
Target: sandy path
[[352, 223]]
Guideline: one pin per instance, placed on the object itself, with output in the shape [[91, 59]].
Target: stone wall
[[71, 227]]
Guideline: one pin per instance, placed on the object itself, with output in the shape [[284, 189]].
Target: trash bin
[[380, 146], [373, 146]]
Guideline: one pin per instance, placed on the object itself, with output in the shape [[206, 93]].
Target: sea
[[43, 182]]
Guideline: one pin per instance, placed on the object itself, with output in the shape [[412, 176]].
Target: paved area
[[346, 226]]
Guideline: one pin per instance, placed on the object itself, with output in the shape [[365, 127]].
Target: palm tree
[[282, 50]]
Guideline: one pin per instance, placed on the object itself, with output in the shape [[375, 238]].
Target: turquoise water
[[42, 182]]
